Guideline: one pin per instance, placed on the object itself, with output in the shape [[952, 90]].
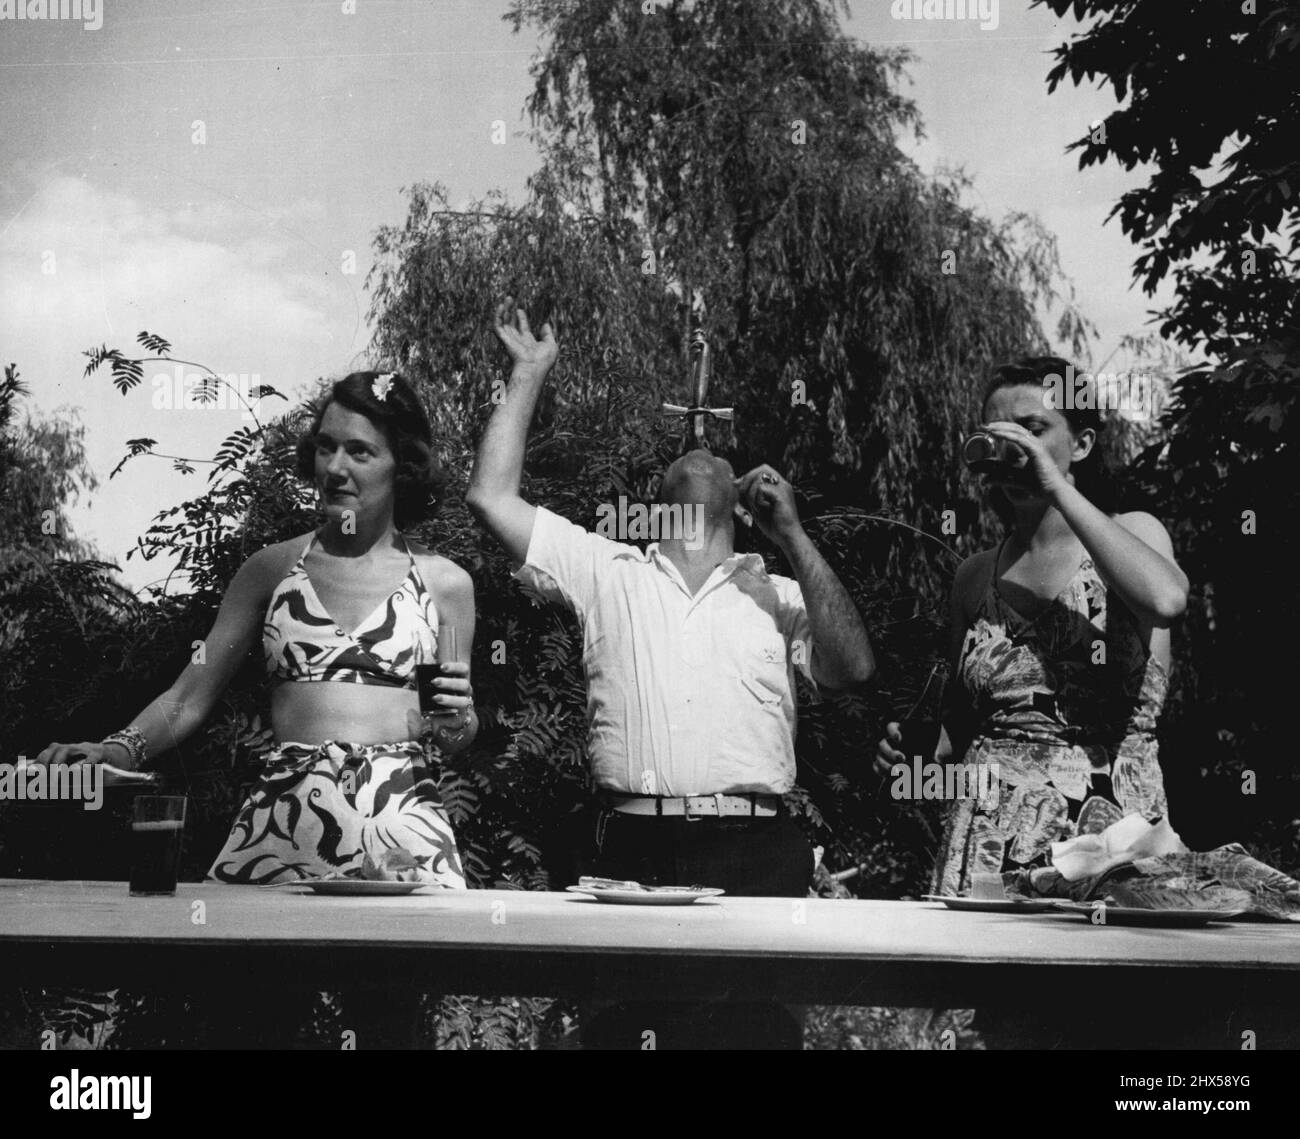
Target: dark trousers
[[747, 857]]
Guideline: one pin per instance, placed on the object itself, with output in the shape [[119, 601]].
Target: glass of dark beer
[[156, 825], [426, 674]]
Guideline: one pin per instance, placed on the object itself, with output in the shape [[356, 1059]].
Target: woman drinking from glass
[[1060, 640]]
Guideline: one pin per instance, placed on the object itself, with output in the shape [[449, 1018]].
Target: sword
[[697, 412]]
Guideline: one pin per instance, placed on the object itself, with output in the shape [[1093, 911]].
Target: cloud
[[97, 262], [237, 289]]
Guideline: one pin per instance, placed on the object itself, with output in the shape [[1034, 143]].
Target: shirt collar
[[734, 564]]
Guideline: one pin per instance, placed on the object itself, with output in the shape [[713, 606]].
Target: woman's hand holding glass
[[454, 704], [1048, 475]]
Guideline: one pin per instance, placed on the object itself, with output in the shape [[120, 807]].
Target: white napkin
[[1131, 838]]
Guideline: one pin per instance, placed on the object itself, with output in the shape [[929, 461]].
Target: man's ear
[[743, 515]]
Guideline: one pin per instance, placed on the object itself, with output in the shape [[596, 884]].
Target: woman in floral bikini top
[[345, 615]]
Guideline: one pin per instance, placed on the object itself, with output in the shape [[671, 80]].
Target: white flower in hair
[[382, 385]]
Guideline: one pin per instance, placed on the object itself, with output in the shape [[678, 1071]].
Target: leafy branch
[[243, 473], [126, 373]]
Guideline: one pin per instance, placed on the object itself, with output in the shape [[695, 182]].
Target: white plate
[[355, 886], [659, 896], [1129, 915], [992, 905]]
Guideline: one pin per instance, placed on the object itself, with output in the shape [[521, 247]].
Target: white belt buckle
[[686, 808]]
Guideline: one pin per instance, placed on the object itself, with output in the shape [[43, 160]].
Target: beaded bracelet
[[462, 728], [133, 740]]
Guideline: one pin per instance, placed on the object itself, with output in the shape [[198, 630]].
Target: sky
[[214, 171]]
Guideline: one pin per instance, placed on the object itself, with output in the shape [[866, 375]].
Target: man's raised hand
[[527, 353]]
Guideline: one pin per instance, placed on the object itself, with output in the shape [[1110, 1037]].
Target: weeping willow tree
[[750, 153]]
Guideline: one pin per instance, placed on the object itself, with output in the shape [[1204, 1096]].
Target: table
[[910, 954]]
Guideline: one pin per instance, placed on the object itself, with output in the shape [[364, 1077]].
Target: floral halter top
[[1066, 705]]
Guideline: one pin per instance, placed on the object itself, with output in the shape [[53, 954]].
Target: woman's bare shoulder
[[1145, 526], [970, 580], [272, 562], [974, 569], [441, 574]]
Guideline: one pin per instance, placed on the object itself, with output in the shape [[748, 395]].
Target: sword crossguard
[[697, 411], [725, 413]]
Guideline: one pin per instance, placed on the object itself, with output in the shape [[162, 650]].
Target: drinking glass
[[426, 674], [157, 822]]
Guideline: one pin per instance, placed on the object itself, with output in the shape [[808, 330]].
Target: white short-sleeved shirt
[[686, 695]]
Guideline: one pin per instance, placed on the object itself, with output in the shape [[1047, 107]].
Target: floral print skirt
[[1035, 794], [321, 809]]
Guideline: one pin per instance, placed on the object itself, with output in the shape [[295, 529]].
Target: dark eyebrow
[[326, 437]]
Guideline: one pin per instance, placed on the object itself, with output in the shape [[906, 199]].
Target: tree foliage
[[748, 155], [1211, 109], [55, 598]]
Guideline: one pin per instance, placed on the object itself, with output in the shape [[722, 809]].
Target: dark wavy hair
[[1092, 475], [418, 480]]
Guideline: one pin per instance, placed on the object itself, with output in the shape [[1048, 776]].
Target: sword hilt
[[697, 411], [701, 368]]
